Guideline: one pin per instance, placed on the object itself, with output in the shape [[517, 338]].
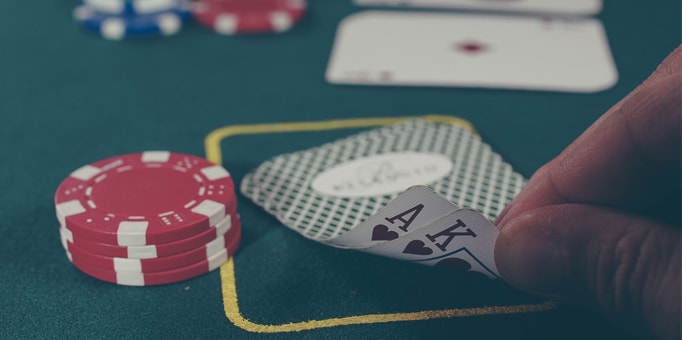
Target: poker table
[[70, 98]]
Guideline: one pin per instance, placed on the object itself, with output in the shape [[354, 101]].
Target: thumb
[[626, 266]]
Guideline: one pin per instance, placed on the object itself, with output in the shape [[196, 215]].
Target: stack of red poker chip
[[248, 16], [148, 218]]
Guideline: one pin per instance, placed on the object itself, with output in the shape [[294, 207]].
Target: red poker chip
[[152, 197], [79, 256], [249, 16], [153, 250], [163, 277]]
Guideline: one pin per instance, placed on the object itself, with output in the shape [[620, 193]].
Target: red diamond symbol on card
[[385, 76], [471, 47]]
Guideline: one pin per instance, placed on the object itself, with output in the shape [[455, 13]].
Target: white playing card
[[285, 171], [572, 7], [349, 193], [453, 162], [417, 207], [464, 235], [250, 189], [486, 51]]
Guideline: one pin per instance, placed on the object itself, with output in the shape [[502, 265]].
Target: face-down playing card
[[333, 193]]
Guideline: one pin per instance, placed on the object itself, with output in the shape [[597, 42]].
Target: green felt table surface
[[68, 98]]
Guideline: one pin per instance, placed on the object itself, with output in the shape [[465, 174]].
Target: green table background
[[68, 98]]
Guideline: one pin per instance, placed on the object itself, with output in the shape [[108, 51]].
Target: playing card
[[351, 194], [305, 192], [251, 190], [572, 7], [422, 226], [415, 208], [465, 50], [464, 235], [268, 199]]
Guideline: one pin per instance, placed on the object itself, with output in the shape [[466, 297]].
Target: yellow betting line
[[230, 304], [229, 285], [212, 141]]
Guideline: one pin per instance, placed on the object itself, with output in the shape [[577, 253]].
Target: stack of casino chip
[[149, 218], [248, 16], [118, 19]]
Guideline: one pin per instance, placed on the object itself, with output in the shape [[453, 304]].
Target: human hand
[[600, 224]]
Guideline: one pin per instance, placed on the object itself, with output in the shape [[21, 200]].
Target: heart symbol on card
[[417, 247], [381, 233]]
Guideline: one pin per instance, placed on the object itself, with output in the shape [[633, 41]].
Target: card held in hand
[[388, 188]]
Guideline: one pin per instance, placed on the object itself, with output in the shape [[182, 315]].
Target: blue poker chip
[[132, 6], [126, 24]]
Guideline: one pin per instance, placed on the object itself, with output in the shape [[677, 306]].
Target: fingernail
[[531, 260]]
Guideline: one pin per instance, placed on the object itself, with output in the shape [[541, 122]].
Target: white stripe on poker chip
[[113, 28], [81, 13], [213, 210], [132, 233], [86, 172], [212, 249], [143, 252], [224, 226], [62, 237], [281, 21], [137, 252], [156, 156], [66, 233], [68, 208], [152, 6], [107, 6], [217, 260], [226, 24], [138, 6], [215, 246], [169, 23], [127, 265], [130, 278], [137, 278], [215, 172]]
